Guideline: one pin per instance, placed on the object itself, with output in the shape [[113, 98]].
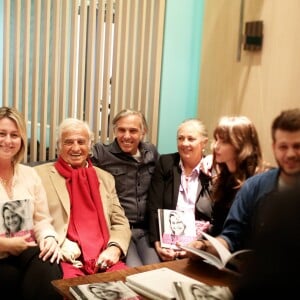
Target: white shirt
[[188, 188]]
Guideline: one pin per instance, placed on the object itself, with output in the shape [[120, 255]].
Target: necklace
[[4, 182], [7, 184]]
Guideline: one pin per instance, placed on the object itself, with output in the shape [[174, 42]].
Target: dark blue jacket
[[240, 222]]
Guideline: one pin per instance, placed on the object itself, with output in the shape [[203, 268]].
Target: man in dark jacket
[[131, 161]]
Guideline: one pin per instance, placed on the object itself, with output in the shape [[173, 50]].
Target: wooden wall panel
[[259, 85], [86, 59]]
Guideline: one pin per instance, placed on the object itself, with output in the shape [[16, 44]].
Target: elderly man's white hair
[[69, 124]]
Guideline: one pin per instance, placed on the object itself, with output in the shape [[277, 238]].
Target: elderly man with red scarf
[[92, 228]]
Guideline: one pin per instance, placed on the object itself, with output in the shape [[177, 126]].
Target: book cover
[[227, 261], [113, 290], [188, 291], [158, 283], [16, 218], [176, 226]]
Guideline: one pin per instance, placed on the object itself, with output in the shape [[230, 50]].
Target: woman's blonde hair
[[199, 126], [14, 115]]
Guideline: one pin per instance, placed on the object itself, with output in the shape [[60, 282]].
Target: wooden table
[[196, 269]]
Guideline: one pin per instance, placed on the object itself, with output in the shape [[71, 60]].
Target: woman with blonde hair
[[13, 217], [178, 183], [28, 261]]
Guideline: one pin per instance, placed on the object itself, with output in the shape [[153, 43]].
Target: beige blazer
[[59, 205]]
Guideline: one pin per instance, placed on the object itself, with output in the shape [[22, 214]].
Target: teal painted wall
[[180, 69]]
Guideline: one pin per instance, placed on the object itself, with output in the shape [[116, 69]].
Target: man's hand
[[109, 257]]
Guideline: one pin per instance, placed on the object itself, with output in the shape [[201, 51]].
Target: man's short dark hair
[[288, 120]]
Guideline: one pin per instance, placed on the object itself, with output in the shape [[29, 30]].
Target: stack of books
[[162, 284]]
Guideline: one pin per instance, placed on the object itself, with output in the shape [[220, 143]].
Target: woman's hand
[[167, 254], [50, 250], [16, 245]]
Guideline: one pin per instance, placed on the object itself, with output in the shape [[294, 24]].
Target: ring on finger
[[100, 263]]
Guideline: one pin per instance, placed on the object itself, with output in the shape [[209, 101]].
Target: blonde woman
[[178, 183], [28, 259]]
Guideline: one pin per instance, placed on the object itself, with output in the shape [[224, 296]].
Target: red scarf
[[87, 224]]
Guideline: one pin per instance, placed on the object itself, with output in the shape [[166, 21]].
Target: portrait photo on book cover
[[201, 291], [176, 226], [15, 218], [114, 290]]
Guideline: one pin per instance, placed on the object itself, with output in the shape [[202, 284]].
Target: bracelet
[[113, 244], [50, 236], [116, 245]]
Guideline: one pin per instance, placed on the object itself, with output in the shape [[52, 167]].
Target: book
[[16, 218], [176, 226], [158, 283], [226, 261], [115, 290], [187, 291]]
